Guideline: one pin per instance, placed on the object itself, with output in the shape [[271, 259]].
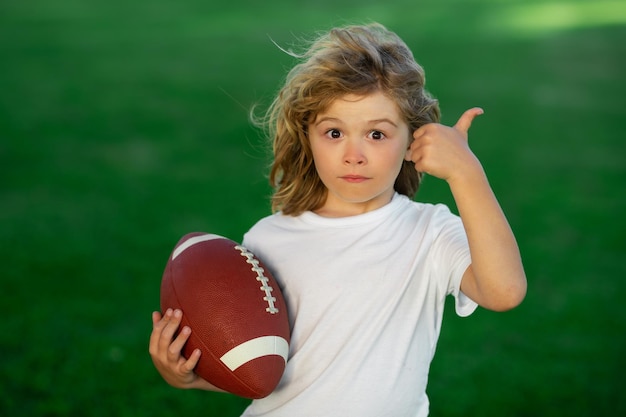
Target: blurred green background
[[124, 125]]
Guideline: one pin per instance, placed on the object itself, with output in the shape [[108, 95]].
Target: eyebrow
[[384, 120], [326, 119], [369, 122]]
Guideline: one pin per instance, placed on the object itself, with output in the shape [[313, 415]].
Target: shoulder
[[274, 222], [422, 212], [276, 226]]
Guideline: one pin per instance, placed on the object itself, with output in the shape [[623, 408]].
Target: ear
[[408, 153]]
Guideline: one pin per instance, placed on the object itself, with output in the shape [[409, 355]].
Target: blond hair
[[351, 60]]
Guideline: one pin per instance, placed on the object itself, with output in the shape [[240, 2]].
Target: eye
[[377, 135], [333, 134]]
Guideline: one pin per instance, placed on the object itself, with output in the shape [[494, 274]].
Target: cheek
[[320, 162], [402, 152]]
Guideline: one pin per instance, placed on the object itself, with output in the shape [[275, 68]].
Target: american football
[[235, 310]]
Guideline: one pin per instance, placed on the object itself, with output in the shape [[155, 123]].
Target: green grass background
[[123, 125]]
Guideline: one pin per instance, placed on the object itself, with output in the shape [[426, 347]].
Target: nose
[[353, 153]]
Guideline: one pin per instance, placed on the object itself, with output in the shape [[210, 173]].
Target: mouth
[[354, 178]]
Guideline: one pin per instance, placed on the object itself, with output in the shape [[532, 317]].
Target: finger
[[156, 317], [158, 323], [163, 321], [465, 121], [175, 348], [171, 327], [415, 145], [193, 360], [156, 333], [422, 131], [168, 326]]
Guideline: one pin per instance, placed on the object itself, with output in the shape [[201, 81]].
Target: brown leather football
[[235, 310]]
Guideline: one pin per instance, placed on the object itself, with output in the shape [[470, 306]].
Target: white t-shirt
[[365, 296]]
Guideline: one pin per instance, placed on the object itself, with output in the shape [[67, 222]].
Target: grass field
[[123, 125]]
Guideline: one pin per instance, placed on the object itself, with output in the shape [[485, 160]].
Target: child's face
[[358, 145]]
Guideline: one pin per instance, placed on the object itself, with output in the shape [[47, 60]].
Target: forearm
[[496, 279]]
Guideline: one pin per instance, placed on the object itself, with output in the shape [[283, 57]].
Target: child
[[364, 269]]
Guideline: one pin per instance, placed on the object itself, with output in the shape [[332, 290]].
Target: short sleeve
[[451, 252]]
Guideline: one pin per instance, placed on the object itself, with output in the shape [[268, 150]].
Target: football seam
[[260, 276]]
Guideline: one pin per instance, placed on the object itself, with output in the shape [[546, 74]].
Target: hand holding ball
[[235, 310]]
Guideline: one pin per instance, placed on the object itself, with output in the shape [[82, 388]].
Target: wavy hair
[[351, 60]]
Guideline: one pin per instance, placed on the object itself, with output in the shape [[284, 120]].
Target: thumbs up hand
[[443, 151]]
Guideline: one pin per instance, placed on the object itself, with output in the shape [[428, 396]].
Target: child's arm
[[496, 278], [165, 350]]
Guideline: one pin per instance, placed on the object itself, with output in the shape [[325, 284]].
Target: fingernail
[[178, 313]]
